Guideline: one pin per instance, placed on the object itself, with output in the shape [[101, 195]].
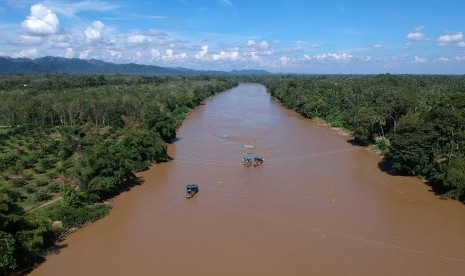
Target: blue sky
[[293, 36]]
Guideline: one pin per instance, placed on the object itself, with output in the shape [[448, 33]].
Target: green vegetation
[[68, 143], [417, 122]]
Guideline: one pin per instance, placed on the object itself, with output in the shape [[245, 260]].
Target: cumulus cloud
[[367, 59], [443, 59], [41, 22], [94, 31], [260, 45], [138, 39], [417, 59], [446, 39], [284, 60], [27, 53], [202, 53], [181, 56], [138, 56], [84, 54], [171, 56], [69, 53], [334, 57], [254, 56], [155, 54], [417, 34], [115, 54], [226, 55]]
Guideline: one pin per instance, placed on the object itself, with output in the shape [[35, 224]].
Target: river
[[317, 206]]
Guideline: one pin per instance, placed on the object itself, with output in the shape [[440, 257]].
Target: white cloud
[[334, 56], [94, 31], [138, 56], [254, 56], [202, 53], [443, 59], [416, 36], [378, 46], [155, 54], [307, 57], [69, 53], [284, 60], [459, 58], [27, 53], [42, 21], [226, 55], [461, 44], [444, 40], [84, 54], [168, 54], [259, 45], [138, 39], [115, 54], [417, 59], [367, 59], [181, 56]]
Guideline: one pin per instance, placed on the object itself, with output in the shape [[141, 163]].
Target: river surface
[[317, 206]]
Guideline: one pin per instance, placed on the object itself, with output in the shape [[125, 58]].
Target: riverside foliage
[[418, 122], [68, 143]]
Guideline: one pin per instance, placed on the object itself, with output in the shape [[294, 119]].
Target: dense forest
[[68, 143], [416, 122]]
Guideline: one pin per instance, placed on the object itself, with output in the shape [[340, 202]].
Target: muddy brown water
[[317, 206]]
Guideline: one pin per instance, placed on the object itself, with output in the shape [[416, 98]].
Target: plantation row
[[66, 142]]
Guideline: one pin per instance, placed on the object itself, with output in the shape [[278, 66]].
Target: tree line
[[78, 140], [417, 122]]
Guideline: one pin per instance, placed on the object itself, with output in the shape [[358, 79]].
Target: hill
[[60, 65]]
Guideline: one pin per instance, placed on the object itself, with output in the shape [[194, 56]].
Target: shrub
[[42, 195], [18, 182], [54, 188], [40, 182]]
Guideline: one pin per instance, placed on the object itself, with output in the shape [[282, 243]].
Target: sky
[[280, 36]]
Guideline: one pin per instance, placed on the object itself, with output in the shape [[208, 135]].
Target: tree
[[455, 179], [7, 250], [411, 149]]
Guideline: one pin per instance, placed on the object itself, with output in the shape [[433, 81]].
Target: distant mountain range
[[60, 65]]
